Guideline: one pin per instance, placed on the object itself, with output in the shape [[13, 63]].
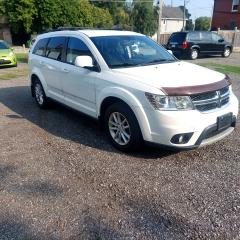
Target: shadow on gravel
[[38, 188], [10, 228], [5, 171], [63, 122]]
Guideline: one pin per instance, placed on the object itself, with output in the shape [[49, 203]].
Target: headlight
[[170, 103], [10, 54]]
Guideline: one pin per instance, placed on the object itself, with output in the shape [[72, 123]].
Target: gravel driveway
[[61, 179]]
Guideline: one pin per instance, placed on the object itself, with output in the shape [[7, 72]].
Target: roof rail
[[79, 28]]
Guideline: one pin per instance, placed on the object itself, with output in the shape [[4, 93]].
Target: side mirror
[[221, 40], [170, 51], [83, 61]]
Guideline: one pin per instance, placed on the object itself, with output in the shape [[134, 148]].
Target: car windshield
[[3, 45], [131, 51]]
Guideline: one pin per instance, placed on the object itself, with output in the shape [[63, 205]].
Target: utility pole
[[160, 4], [184, 14], [171, 3]]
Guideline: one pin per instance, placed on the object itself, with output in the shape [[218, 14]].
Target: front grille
[[211, 100]]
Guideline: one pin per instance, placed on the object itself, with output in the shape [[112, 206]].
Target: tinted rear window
[[177, 38], [39, 49]]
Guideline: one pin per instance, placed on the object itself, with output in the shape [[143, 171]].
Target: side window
[[206, 36], [55, 48], [216, 37], [76, 47], [194, 36], [39, 49]]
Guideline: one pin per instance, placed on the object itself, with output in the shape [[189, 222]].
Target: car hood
[[172, 75], [4, 52]]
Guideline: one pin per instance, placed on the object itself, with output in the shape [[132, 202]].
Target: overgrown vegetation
[[222, 68], [22, 57], [28, 17]]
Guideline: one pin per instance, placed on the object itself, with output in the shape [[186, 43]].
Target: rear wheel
[[194, 54], [227, 52], [122, 127], [39, 94]]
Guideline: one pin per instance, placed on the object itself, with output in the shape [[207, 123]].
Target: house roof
[[172, 12]]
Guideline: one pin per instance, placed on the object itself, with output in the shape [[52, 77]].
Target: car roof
[[91, 33]]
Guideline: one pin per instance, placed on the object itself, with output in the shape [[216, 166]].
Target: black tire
[[39, 94], [227, 52], [194, 54], [135, 140]]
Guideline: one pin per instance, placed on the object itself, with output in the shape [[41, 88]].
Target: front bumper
[[163, 125], [8, 61]]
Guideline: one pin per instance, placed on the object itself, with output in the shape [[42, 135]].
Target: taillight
[[185, 45]]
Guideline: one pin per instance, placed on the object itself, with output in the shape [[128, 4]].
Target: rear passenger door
[[53, 66]]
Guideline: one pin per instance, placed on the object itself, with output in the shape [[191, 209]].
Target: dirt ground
[[61, 179]]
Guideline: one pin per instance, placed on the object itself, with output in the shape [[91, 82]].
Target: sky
[[197, 8]]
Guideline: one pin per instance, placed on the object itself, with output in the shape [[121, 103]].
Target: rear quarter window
[[40, 47]]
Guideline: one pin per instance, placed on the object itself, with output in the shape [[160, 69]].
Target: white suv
[[144, 95]]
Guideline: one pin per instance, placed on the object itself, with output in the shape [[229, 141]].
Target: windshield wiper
[[160, 61], [123, 65]]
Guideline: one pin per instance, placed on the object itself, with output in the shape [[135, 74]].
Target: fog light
[[182, 138]]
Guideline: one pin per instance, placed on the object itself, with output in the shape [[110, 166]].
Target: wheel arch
[[36, 75], [113, 95]]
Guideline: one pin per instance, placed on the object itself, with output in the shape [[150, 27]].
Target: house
[[172, 19], [5, 33], [226, 14]]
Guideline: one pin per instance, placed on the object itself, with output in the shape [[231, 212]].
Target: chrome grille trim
[[209, 101]]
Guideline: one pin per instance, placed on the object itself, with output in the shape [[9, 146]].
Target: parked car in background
[[7, 56], [192, 44], [135, 87]]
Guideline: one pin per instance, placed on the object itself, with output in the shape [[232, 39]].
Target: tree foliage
[[40, 15], [202, 23], [144, 17]]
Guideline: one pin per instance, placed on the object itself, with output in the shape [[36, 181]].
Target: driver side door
[[78, 82]]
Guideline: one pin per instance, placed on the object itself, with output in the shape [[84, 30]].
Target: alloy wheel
[[119, 128]]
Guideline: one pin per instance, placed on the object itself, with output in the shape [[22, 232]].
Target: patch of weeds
[[222, 68]]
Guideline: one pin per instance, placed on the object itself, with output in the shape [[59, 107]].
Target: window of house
[[235, 5]]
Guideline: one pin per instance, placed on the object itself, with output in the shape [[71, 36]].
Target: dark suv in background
[[192, 44]]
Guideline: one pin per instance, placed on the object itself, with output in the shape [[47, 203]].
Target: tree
[[35, 16], [203, 23], [20, 14], [143, 17], [118, 11], [189, 23]]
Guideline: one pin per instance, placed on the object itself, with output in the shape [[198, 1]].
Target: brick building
[[226, 14]]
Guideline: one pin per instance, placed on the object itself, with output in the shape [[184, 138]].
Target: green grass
[[9, 74], [222, 68], [22, 57]]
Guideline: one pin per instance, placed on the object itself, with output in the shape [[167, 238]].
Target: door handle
[[65, 70]]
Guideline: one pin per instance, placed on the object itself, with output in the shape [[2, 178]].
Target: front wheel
[[122, 127], [227, 52], [39, 94]]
